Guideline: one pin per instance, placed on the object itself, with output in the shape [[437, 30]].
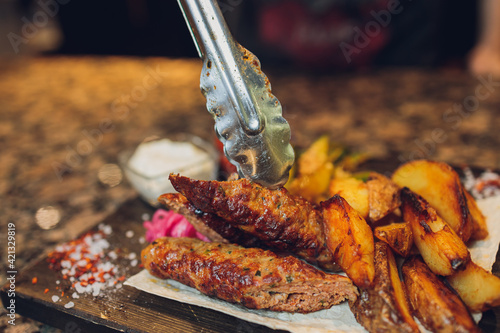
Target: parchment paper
[[336, 319]]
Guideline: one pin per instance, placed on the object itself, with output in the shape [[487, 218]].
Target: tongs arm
[[247, 115], [214, 40]]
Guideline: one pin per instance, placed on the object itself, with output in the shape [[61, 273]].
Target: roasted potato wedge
[[480, 229], [441, 248], [397, 235], [384, 307], [383, 196], [314, 156], [314, 169], [350, 240], [437, 307], [373, 199], [313, 186], [478, 288], [440, 186], [354, 191]]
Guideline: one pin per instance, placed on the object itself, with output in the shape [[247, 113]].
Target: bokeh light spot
[[47, 217], [110, 174]]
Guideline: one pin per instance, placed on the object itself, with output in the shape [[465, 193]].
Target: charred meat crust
[[281, 221], [255, 278], [212, 226]]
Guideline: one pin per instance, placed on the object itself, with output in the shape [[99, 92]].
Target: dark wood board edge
[[68, 321], [122, 310], [149, 313]]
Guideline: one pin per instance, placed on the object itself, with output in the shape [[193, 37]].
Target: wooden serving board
[[127, 309]]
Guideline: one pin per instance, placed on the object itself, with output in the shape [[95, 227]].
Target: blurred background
[[82, 81], [312, 34]]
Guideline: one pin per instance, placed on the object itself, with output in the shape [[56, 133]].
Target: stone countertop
[[64, 120]]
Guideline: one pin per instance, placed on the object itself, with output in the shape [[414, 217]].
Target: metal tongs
[[248, 117]]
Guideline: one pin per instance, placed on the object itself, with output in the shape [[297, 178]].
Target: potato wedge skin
[[440, 186], [478, 288], [383, 196], [312, 186], [441, 248], [437, 307], [384, 307], [314, 169], [315, 156], [397, 235], [354, 191], [350, 240]]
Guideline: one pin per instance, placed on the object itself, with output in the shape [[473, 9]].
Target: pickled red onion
[[167, 223]]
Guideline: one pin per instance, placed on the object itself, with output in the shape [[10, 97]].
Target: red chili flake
[[80, 260], [46, 290], [34, 280], [62, 294]]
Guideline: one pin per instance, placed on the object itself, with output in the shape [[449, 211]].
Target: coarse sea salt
[[88, 262], [106, 229], [486, 185], [112, 255]]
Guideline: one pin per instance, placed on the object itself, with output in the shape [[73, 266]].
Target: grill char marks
[[281, 221], [212, 226], [253, 277]]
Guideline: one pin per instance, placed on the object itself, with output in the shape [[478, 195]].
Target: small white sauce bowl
[[148, 167]]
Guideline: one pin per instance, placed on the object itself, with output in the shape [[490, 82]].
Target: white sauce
[[155, 158], [152, 162]]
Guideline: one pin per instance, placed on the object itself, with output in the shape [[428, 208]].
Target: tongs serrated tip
[[248, 117]]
